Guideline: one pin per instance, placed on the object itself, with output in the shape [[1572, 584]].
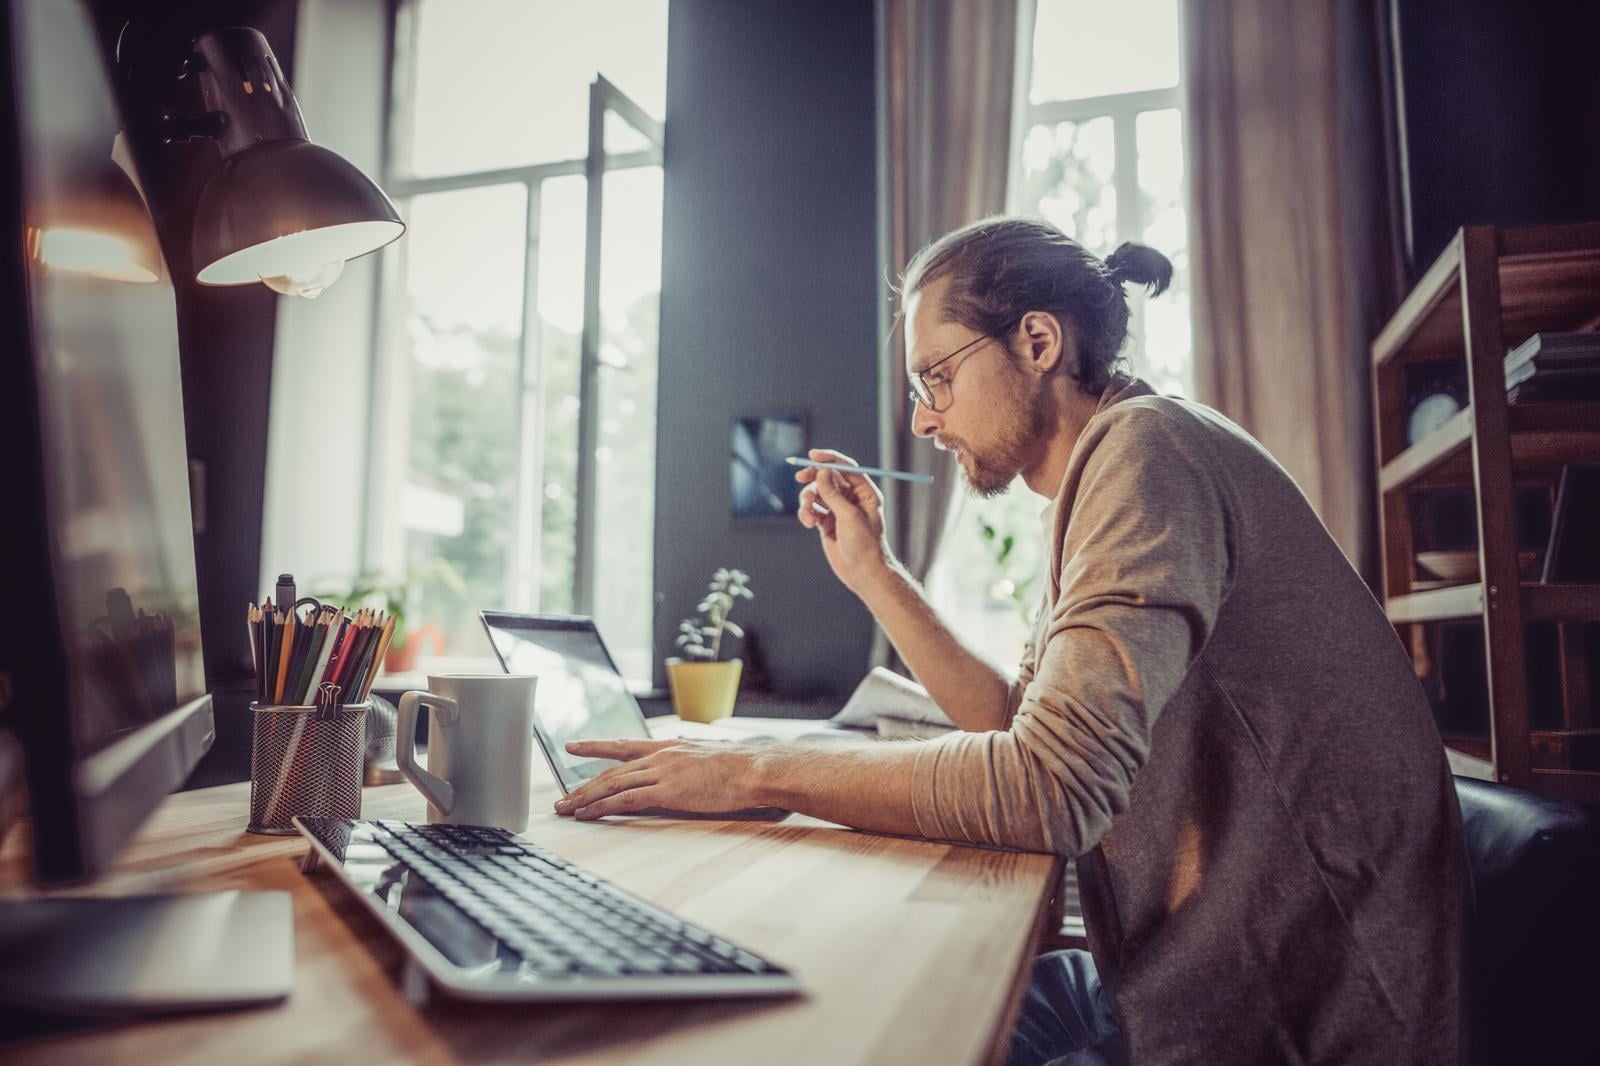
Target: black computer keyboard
[[499, 907]]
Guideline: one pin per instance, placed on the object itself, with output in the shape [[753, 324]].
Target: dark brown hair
[[1002, 268]]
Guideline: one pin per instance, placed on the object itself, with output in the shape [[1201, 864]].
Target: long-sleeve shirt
[[1216, 718]]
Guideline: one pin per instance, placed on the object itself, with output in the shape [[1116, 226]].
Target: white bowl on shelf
[[1461, 564]]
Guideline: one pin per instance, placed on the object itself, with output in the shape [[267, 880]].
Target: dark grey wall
[[225, 344], [768, 305]]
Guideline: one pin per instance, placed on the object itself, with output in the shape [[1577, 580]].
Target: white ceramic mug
[[480, 747]]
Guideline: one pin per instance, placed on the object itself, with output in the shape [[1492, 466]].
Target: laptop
[[581, 695]]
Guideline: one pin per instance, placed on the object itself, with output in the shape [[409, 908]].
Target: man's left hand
[[686, 775]]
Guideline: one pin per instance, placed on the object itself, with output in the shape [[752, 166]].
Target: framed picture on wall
[[763, 484]]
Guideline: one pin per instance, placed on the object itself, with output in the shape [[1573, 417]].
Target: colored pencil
[[283, 655], [294, 656], [329, 639], [252, 623], [383, 649]]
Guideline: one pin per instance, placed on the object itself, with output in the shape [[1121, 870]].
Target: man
[[1213, 717]]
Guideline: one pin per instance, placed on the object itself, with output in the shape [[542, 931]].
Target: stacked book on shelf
[[1554, 366]]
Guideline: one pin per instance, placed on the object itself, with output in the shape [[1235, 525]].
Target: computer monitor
[[109, 697], [101, 677]]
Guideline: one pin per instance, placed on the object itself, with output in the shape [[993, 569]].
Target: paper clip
[[327, 701]]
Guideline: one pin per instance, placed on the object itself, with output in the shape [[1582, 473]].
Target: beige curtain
[[1292, 237], [945, 69]]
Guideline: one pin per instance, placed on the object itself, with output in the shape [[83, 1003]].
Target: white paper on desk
[[884, 694], [751, 728]]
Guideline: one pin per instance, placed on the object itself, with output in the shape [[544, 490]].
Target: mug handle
[[435, 789]]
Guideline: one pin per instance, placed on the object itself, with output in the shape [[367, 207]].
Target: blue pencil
[[925, 479]]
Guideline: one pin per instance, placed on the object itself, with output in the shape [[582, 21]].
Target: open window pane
[[561, 268], [462, 287], [625, 451], [503, 83], [1089, 48]]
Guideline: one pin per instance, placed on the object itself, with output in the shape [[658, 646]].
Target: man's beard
[[993, 472]]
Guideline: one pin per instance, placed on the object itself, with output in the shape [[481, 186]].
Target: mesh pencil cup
[[304, 763]]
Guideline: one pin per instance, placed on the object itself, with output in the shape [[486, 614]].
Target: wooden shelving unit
[[1489, 291]]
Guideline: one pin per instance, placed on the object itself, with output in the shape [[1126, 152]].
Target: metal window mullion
[[1125, 173], [629, 111], [404, 27], [380, 435], [1130, 212], [391, 455], [536, 172], [1052, 111], [589, 359], [528, 519]]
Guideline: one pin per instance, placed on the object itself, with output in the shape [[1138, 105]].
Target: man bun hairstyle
[[999, 269], [1141, 264]]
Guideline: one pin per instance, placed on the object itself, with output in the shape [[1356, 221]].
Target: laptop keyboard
[[555, 918]]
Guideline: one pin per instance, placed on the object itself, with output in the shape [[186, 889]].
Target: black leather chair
[[1532, 949]]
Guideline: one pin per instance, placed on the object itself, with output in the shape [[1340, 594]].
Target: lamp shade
[[287, 207], [88, 218]]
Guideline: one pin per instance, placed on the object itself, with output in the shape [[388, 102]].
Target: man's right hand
[[847, 511]]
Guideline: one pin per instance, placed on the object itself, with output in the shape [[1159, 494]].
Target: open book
[[893, 706]]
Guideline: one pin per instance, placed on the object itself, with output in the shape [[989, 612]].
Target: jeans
[[1067, 1017]]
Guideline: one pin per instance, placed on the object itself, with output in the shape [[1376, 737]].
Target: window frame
[[1124, 110]]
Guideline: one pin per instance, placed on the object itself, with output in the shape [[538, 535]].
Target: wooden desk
[[910, 952]]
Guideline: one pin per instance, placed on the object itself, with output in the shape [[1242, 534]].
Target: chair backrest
[[1532, 980]]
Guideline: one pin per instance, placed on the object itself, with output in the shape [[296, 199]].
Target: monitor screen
[[579, 694], [107, 465], [106, 365]]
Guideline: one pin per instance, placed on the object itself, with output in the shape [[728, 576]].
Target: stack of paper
[[894, 707]]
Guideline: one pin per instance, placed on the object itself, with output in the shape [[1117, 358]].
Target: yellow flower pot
[[703, 691]]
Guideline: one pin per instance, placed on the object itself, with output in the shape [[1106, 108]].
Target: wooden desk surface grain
[[909, 951]]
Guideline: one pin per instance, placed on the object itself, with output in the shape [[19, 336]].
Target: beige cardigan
[[1216, 716]]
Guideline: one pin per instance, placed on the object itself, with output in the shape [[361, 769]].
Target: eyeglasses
[[926, 385]]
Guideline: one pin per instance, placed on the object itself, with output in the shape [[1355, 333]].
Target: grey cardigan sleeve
[[1144, 565]]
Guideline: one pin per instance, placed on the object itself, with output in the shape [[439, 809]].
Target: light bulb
[[308, 284]]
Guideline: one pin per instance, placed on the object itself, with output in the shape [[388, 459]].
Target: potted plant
[[704, 687], [391, 594]]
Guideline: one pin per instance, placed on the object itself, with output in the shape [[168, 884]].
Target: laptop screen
[[579, 696]]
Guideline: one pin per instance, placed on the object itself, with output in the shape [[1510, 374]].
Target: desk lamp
[[278, 209], [92, 221]]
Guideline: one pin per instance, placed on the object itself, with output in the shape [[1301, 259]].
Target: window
[[517, 330], [1099, 154]]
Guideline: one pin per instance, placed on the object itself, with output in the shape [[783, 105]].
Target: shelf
[[1443, 443], [1574, 786], [1437, 605], [1540, 603], [1489, 291], [1543, 437], [1560, 603], [1469, 757], [1549, 282]]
